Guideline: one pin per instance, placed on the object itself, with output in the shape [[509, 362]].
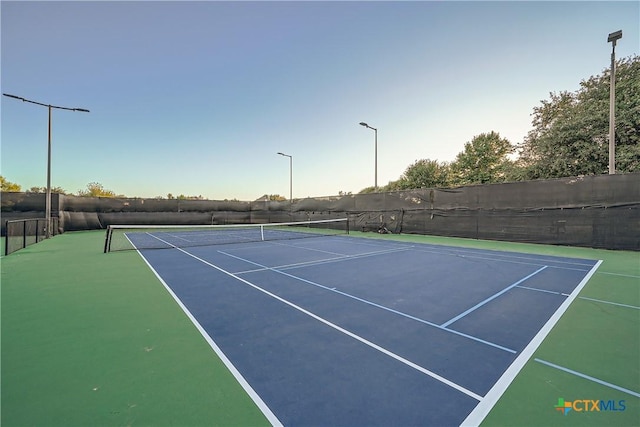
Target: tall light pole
[[290, 175], [48, 196], [376, 153], [613, 37]]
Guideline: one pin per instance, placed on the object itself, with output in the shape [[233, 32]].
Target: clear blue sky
[[197, 98]]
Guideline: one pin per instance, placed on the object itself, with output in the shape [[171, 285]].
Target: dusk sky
[[196, 98]]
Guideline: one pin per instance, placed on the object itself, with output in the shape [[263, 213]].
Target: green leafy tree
[[95, 189], [570, 134], [368, 190], [183, 197], [484, 160], [277, 198], [426, 173], [6, 185], [58, 190]]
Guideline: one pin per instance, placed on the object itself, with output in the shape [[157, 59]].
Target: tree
[[8, 185], [183, 197], [368, 190], [570, 134], [425, 173], [484, 160], [58, 190], [95, 189]]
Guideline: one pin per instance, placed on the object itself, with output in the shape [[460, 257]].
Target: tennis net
[[130, 237]]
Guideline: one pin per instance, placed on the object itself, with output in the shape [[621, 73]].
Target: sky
[[197, 98]]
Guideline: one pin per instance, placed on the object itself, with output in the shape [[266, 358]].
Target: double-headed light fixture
[[48, 197], [290, 175], [376, 153]]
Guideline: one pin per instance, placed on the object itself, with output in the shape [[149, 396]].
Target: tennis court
[[333, 330], [338, 330]]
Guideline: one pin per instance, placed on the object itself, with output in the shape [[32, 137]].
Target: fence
[[594, 211], [24, 232]]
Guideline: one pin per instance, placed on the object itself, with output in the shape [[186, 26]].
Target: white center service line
[[310, 263]]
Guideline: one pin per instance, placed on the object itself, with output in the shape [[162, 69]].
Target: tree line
[[570, 137], [93, 189]]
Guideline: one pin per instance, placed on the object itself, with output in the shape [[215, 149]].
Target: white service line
[[310, 263]]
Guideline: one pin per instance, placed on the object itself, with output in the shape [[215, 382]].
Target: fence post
[[24, 234]]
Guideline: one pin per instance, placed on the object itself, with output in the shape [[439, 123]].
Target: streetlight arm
[[13, 96], [45, 105]]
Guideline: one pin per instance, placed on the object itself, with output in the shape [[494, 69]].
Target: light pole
[[290, 176], [612, 103], [376, 153], [48, 196]]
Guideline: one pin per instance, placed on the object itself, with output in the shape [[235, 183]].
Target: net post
[[6, 238], [262, 232], [107, 239], [347, 225]]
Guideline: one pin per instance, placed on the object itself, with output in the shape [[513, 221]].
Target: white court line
[[631, 276], [400, 313], [588, 377], [609, 302], [491, 298], [542, 290], [311, 263], [271, 417], [482, 409], [512, 257], [175, 236], [339, 329], [507, 259], [585, 298], [278, 243]]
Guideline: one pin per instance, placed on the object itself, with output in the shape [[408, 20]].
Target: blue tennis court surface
[[349, 331]]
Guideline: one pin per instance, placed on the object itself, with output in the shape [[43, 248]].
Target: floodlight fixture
[[376, 153], [290, 175], [615, 36]]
